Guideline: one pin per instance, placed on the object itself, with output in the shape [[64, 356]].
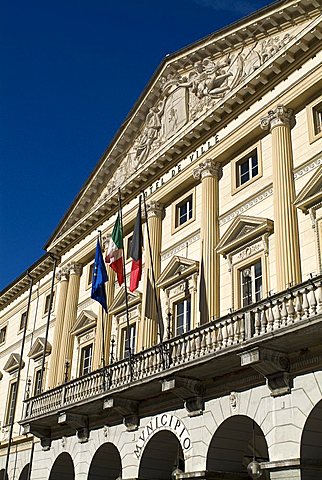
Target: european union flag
[[99, 278]]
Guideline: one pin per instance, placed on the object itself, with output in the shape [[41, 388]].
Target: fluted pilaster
[[62, 276], [209, 172], [149, 334], [66, 345], [288, 263]]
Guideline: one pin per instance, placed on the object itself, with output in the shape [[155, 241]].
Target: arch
[[106, 463], [162, 454], [2, 477], [24, 475], [63, 468], [231, 447], [311, 444]]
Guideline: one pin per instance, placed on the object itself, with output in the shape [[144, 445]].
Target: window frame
[[47, 297], [123, 335], [89, 274], [35, 385], [253, 277], [5, 329], [175, 227], [238, 267], [313, 135], [175, 304], [22, 325], [235, 186], [81, 358]]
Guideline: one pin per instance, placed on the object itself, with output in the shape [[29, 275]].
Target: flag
[[114, 256], [99, 279], [136, 252]]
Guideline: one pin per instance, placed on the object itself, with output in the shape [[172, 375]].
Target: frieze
[[243, 208], [248, 251], [308, 168], [181, 246]]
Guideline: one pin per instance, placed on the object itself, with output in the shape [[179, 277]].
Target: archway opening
[[233, 446], [161, 456], [24, 475], [106, 463], [311, 445], [2, 475], [63, 468]]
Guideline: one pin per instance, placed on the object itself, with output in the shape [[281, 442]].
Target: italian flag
[[114, 256]]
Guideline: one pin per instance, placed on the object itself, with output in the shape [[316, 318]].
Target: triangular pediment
[[192, 92], [37, 350], [119, 302], [13, 362], [311, 194], [243, 229], [177, 269], [86, 320]]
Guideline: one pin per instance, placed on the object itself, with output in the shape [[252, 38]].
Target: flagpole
[[125, 287], [102, 319], [5, 474]]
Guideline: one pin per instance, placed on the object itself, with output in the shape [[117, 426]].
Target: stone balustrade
[[295, 306]]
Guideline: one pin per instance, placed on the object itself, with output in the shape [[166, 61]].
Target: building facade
[[213, 365]]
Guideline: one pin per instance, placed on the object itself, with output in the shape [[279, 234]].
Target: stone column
[[66, 343], [210, 173], [149, 323], [107, 319], [288, 263], [62, 276]]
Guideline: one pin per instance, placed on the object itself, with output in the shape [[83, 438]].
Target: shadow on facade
[[2, 477], [24, 475], [162, 455], [106, 464], [63, 468], [233, 446], [311, 445]]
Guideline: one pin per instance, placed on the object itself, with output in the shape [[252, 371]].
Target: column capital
[[208, 168], [74, 268], [281, 116], [62, 274], [155, 209]]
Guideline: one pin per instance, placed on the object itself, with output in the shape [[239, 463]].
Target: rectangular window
[[23, 321], [37, 383], [251, 281], [3, 332], [182, 316], [11, 403], [86, 360], [125, 343], [317, 118], [184, 211], [90, 274], [247, 168], [47, 302], [128, 246]]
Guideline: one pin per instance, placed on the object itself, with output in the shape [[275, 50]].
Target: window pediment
[[37, 349], [13, 362], [311, 194], [243, 230], [119, 301], [177, 269], [85, 321]]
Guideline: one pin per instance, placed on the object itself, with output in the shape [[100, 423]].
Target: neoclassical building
[[212, 368]]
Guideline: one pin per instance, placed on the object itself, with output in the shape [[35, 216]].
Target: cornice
[[302, 46]]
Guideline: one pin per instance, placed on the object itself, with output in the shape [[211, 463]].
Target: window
[[3, 332], [128, 246], [182, 316], [125, 343], [317, 118], [90, 274], [23, 321], [184, 211], [251, 282], [86, 359], [314, 119], [47, 302], [37, 383], [11, 403], [247, 168]]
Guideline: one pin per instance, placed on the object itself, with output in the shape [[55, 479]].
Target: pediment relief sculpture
[[85, 321], [178, 268]]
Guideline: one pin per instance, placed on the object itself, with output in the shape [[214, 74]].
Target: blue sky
[[70, 72]]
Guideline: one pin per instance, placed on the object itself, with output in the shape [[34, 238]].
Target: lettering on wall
[[164, 421]]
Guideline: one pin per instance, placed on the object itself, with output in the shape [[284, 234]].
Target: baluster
[[270, 318], [242, 330], [193, 346], [319, 298], [230, 331], [219, 337], [209, 339], [257, 322], [305, 304], [284, 312], [313, 302], [186, 347], [277, 316], [263, 320], [291, 310], [236, 329], [197, 345], [204, 337], [298, 306], [181, 345]]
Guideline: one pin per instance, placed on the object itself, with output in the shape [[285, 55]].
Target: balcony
[[268, 342]]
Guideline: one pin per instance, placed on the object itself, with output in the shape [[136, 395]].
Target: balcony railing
[[295, 306]]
